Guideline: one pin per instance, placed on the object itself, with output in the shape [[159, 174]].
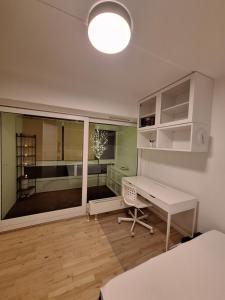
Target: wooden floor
[[72, 259]]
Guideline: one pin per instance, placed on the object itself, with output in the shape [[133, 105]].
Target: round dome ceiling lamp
[[109, 27]]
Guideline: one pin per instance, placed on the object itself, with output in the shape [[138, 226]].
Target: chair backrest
[[129, 194]]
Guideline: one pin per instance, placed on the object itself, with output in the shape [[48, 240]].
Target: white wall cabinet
[[177, 117]]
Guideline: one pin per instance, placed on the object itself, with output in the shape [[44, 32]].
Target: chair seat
[[141, 202]]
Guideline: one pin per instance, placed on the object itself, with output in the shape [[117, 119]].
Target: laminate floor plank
[[72, 259]]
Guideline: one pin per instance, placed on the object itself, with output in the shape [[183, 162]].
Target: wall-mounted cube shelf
[[181, 116]]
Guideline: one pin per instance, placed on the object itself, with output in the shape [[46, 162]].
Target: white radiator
[[99, 206]]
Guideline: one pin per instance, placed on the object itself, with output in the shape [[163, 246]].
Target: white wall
[[17, 88], [126, 151], [202, 175]]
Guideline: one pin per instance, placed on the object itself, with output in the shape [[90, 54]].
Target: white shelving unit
[[186, 137], [114, 178], [147, 138], [177, 111], [147, 112], [175, 137], [175, 103], [182, 116]]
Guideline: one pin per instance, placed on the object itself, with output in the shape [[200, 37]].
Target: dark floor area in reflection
[[50, 201]]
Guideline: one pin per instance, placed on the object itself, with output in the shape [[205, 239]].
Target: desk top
[[169, 195]]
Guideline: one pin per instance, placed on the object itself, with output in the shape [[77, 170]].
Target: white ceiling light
[[109, 27]]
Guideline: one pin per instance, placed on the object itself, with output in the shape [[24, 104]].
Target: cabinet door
[[175, 104], [147, 112], [73, 141], [51, 138]]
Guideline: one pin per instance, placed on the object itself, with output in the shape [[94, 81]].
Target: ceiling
[[45, 55]]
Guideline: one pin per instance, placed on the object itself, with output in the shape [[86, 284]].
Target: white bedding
[[192, 271]]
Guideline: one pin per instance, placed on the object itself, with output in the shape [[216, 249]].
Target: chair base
[[135, 219]]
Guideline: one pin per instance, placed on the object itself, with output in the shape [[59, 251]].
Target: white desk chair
[[131, 198]]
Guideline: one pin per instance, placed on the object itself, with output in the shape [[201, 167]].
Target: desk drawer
[[154, 200]]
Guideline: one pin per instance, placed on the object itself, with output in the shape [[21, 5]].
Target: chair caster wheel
[[152, 231], [132, 234], [119, 221]]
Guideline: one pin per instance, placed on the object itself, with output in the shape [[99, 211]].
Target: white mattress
[[192, 271]]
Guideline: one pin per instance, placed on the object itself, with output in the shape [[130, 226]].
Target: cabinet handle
[[151, 195]]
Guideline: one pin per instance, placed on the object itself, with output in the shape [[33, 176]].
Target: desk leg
[[168, 230], [194, 221]]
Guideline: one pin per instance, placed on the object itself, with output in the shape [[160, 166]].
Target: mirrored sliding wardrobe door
[[41, 164], [112, 156]]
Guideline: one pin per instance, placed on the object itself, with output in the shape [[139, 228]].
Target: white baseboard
[[36, 219]]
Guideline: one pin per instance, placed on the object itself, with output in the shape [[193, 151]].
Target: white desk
[[171, 200]]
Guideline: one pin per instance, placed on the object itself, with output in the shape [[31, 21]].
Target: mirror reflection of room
[[116, 159], [42, 163]]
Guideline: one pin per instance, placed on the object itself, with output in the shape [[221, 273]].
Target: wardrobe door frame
[[45, 217]]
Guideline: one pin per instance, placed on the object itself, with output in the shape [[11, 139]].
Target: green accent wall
[[126, 148]]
